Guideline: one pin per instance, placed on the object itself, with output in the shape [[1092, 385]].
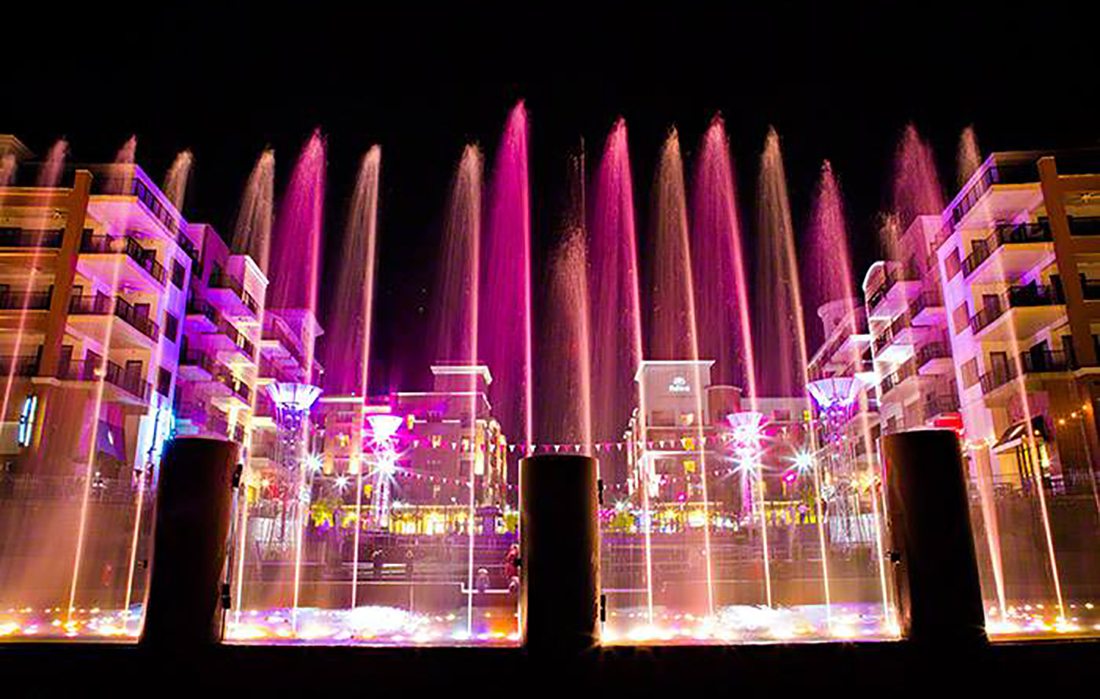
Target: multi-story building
[[910, 350], [1019, 255], [95, 289], [219, 353]]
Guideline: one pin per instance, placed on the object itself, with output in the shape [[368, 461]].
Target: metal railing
[[17, 237], [220, 279], [89, 369], [1005, 234], [19, 365], [1031, 362], [239, 339], [113, 245], [1022, 296], [938, 349], [26, 300], [100, 304]]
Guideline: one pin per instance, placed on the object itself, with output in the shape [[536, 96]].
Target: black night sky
[[837, 81]]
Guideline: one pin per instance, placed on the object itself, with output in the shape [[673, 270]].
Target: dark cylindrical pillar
[[560, 552], [939, 595], [190, 543]]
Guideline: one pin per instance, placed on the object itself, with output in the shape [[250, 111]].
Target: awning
[[1016, 433]]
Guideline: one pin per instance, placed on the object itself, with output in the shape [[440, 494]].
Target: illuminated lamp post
[[292, 404], [835, 398], [747, 438], [384, 448]]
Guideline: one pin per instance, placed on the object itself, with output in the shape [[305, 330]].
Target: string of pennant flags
[[465, 446]]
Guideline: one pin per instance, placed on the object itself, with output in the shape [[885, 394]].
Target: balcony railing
[[997, 173], [200, 359], [220, 279], [1031, 362], [900, 374], [202, 308], [1084, 225], [1005, 234], [19, 365], [926, 299], [16, 237], [238, 338], [933, 350], [86, 370], [1027, 295], [940, 404], [26, 300], [100, 304], [110, 245]]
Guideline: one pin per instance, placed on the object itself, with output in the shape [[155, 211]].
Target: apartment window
[[179, 274], [952, 264], [164, 382], [960, 317], [171, 326], [970, 372]]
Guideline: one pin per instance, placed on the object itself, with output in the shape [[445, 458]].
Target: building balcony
[[120, 385], [892, 296], [1084, 225], [37, 300], [20, 365], [941, 404], [137, 330], [16, 239], [1003, 186], [229, 294], [934, 358], [197, 366], [927, 308], [1020, 313], [230, 343], [1032, 362], [201, 316], [140, 269], [1012, 250]]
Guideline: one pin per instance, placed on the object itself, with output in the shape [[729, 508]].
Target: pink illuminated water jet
[[567, 394], [969, 157], [296, 248], [722, 302], [175, 182], [780, 328], [252, 232], [505, 326], [54, 165], [348, 333]]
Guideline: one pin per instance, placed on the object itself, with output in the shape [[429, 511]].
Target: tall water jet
[[295, 272], [296, 253], [349, 337], [456, 311], [506, 278], [780, 329], [54, 165], [252, 232], [175, 182], [566, 389], [118, 175], [614, 290], [8, 166], [674, 328], [829, 274], [722, 305], [916, 188], [567, 394], [969, 157], [616, 329]]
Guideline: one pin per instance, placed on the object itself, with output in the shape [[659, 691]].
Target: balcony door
[[998, 363]]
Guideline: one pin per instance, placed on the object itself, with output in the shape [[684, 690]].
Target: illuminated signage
[[679, 385], [26, 420]]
